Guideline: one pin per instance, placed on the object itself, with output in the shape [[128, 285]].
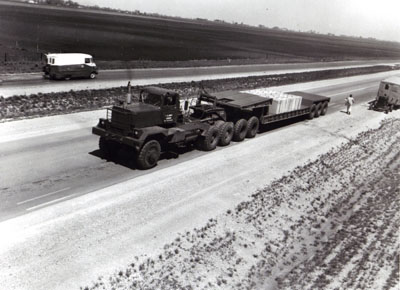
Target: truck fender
[[148, 132]]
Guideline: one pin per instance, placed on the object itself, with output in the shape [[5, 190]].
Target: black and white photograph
[[214, 144]]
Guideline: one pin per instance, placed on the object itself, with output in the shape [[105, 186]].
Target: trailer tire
[[240, 130], [324, 109], [252, 127], [311, 115], [226, 134], [210, 140], [318, 109], [149, 155]]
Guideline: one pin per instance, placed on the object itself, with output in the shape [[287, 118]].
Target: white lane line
[[50, 202], [44, 195], [354, 90]]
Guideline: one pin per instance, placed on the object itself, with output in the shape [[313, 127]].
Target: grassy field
[[28, 30]]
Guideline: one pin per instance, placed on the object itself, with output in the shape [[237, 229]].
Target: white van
[[69, 65], [388, 97]]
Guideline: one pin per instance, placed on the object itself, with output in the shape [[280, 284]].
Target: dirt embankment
[[36, 105], [331, 224]]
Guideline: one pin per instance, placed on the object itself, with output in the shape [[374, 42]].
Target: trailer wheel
[[149, 155], [311, 115], [225, 134], [240, 130], [252, 127], [318, 110], [92, 75], [324, 109], [210, 140]]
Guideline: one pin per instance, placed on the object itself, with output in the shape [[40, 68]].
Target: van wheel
[[210, 140], [92, 76], [149, 155], [226, 134], [240, 130], [252, 127]]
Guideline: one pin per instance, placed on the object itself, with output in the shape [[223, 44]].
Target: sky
[[379, 19]]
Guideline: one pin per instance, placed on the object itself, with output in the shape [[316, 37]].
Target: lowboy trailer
[[157, 122]]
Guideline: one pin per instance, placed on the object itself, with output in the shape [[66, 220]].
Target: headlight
[[136, 133], [102, 123]]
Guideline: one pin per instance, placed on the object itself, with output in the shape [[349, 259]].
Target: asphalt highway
[[34, 83], [63, 161]]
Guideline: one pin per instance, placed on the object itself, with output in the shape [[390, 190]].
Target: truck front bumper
[[130, 141]]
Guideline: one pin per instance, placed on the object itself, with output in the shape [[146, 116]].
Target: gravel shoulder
[[74, 242]]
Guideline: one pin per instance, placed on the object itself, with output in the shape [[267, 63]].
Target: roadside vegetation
[[330, 224], [36, 105]]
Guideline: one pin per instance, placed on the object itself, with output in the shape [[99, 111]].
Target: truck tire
[[210, 140], [92, 75], [312, 112], [149, 155], [240, 130], [252, 127], [318, 110], [226, 134], [324, 109]]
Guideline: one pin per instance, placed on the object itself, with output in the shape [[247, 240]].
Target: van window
[[88, 60], [52, 60]]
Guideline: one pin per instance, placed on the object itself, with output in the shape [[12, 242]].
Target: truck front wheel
[[240, 130], [149, 155]]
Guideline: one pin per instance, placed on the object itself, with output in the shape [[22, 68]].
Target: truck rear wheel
[[149, 155], [210, 140], [252, 127], [225, 134], [324, 109], [92, 75], [240, 130]]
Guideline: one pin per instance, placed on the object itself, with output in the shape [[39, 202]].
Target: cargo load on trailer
[[281, 102], [388, 96], [158, 123], [69, 65]]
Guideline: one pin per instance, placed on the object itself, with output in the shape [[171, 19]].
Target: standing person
[[349, 103], [129, 94]]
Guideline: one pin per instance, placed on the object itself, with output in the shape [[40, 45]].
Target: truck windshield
[[151, 99]]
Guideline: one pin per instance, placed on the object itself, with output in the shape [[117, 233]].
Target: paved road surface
[[34, 83], [61, 242], [63, 162]]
